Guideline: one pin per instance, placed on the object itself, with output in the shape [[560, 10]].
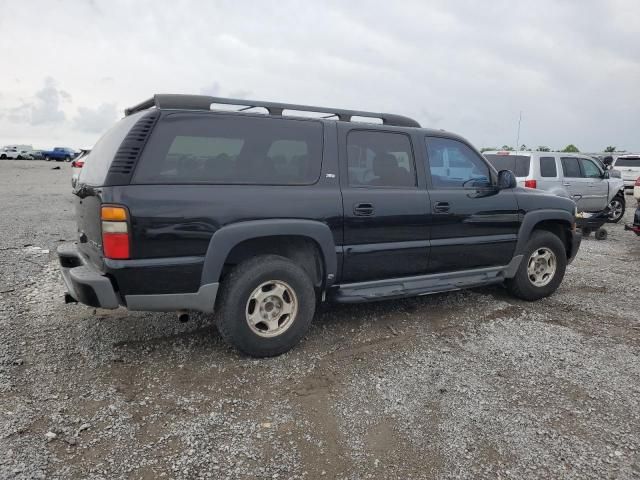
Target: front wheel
[[265, 306], [542, 268], [616, 209]]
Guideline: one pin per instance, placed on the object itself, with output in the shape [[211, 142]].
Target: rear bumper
[[88, 285], [84, 283], [576, 239]]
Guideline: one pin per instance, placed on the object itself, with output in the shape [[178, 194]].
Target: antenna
[[518, 137]]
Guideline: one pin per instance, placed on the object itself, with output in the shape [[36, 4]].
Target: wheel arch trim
[[227, 237], [533, 218]]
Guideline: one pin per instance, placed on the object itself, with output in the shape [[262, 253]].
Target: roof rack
[[204, 102]]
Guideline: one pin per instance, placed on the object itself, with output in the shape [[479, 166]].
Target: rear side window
[[628, 162], [204, 148], [518, 164], [571, 167], [380, 159], [548, 167], [95, 172]]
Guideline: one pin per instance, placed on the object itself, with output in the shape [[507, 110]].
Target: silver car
[[572, 175]]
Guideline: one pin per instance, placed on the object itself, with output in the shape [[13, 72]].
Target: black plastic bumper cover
[[84, 283]]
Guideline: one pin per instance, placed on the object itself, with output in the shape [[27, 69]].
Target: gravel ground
[[469, 384]]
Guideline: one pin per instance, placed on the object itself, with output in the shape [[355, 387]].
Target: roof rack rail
[[204, 102]]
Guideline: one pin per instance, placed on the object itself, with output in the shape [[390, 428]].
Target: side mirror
[[506, 179]]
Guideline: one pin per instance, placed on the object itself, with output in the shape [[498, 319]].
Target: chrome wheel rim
[[615, 208], [541, 267], [271, 308]]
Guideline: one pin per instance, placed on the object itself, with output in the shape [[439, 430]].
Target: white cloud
[[96, 120], [469, 67]]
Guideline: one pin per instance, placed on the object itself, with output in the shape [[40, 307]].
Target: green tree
[[571, 148], [486, 149], [543, 148], [523, 147], [610, 149], [506, 147]]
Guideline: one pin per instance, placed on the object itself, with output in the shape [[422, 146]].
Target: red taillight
[[77, 164], [530, 183], [116, 245], [115, 232], [637, 184]]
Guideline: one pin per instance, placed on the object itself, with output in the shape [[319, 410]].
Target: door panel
[[385, 212], [597, 194], [583, 179], [472, 223]]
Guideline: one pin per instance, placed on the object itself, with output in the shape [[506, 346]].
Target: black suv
[[259, 215]]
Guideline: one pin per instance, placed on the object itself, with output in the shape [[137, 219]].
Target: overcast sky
[[572, 67]]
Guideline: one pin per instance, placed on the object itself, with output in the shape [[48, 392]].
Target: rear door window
[[548, 167], [191, 148], [571, 167], [380, 159], [518, 164]]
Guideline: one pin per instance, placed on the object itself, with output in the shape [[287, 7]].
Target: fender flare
[[227, 237], [531, 219]]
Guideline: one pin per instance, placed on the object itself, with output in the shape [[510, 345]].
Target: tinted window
[[627, 162], [454, 165], [518, 164], [206, 148], [589, 169], [95, 173], [381, 159], [571, 167], [548, 167]]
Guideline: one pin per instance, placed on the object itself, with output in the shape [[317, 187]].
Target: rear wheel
[[616, 209], [265, 306], [3, 157], [542, 267]]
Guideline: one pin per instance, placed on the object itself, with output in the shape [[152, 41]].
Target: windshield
[[518, 164]]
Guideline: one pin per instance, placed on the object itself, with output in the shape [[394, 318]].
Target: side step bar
[[422, 285]]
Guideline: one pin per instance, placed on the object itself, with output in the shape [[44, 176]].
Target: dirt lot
[[462, 385]]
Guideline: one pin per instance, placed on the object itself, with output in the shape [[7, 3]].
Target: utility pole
[[518, 136]]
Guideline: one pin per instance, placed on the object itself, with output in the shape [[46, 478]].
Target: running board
[[422, 285]]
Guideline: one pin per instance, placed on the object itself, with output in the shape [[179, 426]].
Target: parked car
[[12, 153], [570, 175], [261, 216], [629, 166], [59, 154], [77, 164], [636, 189]]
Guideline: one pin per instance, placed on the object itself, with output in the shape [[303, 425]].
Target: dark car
[[260, 216]]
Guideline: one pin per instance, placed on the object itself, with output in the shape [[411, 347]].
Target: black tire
[[586, 231], [233, 302], [520, 285], [3, 157], [617, 207], [67, 158], [19, 157], [601, 234]]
